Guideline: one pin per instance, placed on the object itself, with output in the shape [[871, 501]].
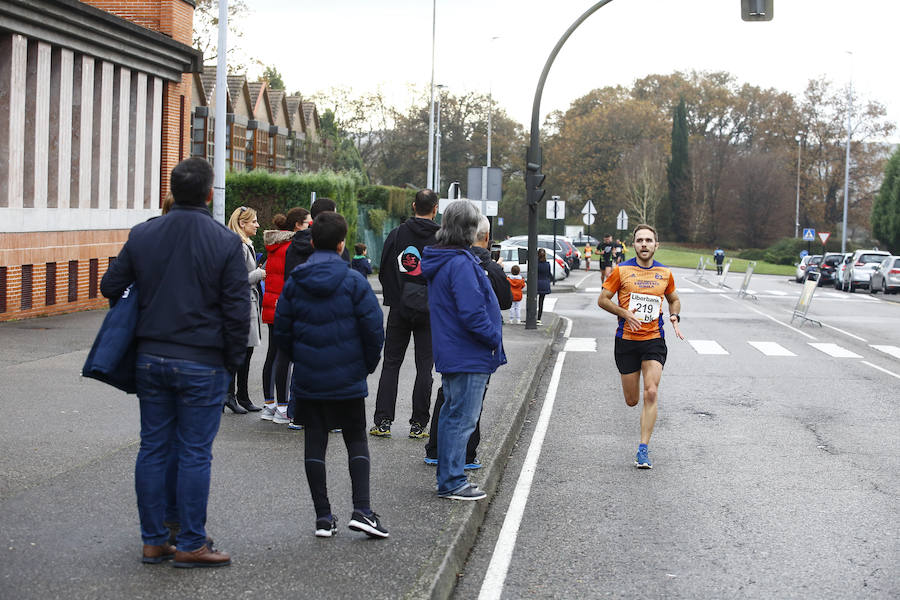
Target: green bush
[[785, 251], [752, 254], [270, 194], [396, 201]]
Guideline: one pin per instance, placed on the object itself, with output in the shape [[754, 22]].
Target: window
[[50, 285], [237, 144], [93, 277], [2, 289], [27, 286], [73, 280], [198, 136]]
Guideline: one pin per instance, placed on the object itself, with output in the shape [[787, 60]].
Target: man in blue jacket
[[467, 338], [192, 331]]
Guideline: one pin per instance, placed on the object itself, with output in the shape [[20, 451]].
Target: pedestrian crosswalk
[[772, 294]]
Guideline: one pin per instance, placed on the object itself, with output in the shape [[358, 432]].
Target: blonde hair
[[241, 215], [167, 203]]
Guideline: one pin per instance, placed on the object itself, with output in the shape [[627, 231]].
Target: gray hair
[[458, 224], [484, 228]]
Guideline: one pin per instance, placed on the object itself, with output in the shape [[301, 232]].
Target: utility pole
[[429, 179], [221, 112]]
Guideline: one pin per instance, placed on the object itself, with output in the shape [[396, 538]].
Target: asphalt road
[[775, 476]]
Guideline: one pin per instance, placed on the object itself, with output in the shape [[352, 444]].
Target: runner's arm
[[605, 302], [675, 309]]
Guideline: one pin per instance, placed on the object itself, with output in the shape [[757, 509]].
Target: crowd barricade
[[745, 284], [805, 299]]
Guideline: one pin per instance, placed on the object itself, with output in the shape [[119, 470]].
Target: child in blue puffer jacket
[[329, 322]]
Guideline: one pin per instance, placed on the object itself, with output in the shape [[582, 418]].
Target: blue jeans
[[181, 406], [463, 394]]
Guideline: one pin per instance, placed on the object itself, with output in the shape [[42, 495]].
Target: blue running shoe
[[430, 461], [472, 466], [642, 458]]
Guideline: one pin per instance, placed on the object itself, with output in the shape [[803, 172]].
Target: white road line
[[834, 350], [549, 304], [707, 347], [776, 292], [581, 345], [844, 332], [492, 586], [892, 350], [771, 348], [593, 290], [759, 312], [891, 373]]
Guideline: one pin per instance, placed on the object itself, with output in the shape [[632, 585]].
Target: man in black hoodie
[[301, 248], [406, 294]]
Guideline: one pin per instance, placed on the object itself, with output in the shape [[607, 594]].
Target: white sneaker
[[268, 411], [280, 417]]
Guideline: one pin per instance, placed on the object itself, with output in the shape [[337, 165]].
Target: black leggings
[[276, 370], [540, 305], [242, 376], [315, 445]]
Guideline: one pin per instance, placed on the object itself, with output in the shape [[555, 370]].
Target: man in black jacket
[[301, 247], [406, 294], [500, 285], [191, 334]]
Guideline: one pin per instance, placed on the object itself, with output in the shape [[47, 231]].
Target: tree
[[886, 210], [206, 33], [641, 176], [678, 174], [273, 77], [344, 156]]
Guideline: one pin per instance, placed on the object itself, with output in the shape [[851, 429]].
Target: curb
[[437, 579]]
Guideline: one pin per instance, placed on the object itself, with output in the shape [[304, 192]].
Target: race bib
[[645, 307]]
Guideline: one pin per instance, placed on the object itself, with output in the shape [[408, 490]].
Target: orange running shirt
[[641, 288]]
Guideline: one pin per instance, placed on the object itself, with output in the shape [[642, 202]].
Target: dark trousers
[[243, 378], [474, 439], [319, 418], [276, 371], [401, 324], [540, 306]]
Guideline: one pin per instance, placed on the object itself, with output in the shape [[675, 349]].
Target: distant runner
[[640, 347], [609, 251]]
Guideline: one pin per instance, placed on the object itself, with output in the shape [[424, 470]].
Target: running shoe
[[383, 429], [280, 417], [370, 524], [467, 492], [326, 527], [642, 458], [473, 466], [416, 431], [268, 412], [430, 461], [295, 426]]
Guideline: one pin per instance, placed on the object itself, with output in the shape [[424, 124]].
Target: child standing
[[329, 320], [360, 262], [516, 285]]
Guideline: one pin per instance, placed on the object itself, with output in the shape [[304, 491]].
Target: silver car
[[858, 271], [800, 274], [886, 276]]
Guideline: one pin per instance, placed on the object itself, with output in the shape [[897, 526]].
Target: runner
[[640, 346], [608, 252]]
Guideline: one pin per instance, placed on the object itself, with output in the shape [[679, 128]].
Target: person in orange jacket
[[516, 285]]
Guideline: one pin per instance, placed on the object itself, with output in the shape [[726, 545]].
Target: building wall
[[64, 203]]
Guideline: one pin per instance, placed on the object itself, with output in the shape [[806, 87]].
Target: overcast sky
[[364, 44]]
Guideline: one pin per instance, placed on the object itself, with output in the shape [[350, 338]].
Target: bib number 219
[[645, 307]]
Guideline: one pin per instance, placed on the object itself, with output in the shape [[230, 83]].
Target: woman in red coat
[[276, 369]]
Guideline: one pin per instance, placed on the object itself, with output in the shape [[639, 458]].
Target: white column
[[140, 140], [86, 136], [63, 165], [42, 126], [16, 141], [156, 142], [121, 196], [104, 143]]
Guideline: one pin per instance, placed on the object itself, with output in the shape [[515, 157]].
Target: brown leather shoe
[[156, 554], [201, 557]]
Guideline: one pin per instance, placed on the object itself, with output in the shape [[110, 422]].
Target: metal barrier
[[724, 274], [805, 299], [745, 284], [700, 273]]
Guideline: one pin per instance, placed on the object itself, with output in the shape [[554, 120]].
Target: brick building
[[95, 102]]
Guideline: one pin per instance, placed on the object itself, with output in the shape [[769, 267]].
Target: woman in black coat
[[544, 278]]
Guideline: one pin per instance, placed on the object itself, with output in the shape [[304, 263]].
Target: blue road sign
[[809, 235]]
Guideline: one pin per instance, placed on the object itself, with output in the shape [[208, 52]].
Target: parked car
[[886, 276], [799, 276], [511, 255], [839, 270], [564, 247], [826, 267], [858, 272], [582, 239]]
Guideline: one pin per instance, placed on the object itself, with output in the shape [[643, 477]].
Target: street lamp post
[[437, 144], [429, 179], [847, 158], [799, 138], [220, 130]]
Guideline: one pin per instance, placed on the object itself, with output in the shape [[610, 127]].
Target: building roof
[[295, 112]]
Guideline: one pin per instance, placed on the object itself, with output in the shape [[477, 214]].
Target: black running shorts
[[631, 353]]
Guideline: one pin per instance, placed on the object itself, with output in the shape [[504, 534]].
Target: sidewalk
[[67, 507]]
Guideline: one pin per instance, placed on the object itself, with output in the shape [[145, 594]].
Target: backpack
[[413, 293]]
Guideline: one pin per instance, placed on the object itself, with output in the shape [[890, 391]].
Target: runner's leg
[[652, 372], [631, 387]]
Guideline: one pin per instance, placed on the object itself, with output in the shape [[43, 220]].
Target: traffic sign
[[809, 234], [589, 209], [556, 209], [622, 220], [823, 235], [588, 219]]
